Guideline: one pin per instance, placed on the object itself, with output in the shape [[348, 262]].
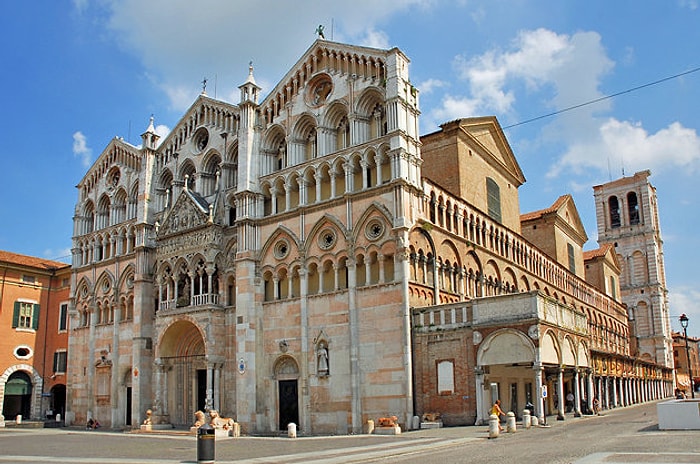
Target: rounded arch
[[368, 100], [182, 337], [568, 352], [29, 384], [549, 349], [506, 346], [285, 367]]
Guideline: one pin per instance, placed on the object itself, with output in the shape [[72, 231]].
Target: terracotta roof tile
[[29, 261], [597, 253], [542, 212]]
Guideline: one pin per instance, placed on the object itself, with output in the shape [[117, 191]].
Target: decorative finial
[[319, 31]]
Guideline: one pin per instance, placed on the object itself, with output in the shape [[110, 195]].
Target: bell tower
[[628, 218]]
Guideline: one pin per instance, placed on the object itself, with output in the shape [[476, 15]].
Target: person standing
[[498, 412]]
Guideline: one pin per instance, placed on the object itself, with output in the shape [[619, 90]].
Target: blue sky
[[78, 73]]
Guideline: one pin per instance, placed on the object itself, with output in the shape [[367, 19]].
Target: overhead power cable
[[605, 97]]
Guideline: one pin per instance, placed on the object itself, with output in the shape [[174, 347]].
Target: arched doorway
[[18, 396], [182, 361], [287, 375]]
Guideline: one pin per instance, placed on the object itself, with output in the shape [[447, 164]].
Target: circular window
[[23, 352], [374, 229], [130, 281], [105, 286], [201, 139], [326, 239], [318, 91], [281, 249]]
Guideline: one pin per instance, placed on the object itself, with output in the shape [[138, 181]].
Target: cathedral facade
[[308, 258]]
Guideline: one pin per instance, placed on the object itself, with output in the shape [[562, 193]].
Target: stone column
[[577, 394], [209, 401], [560, 394], [539, 400], [479, 375], [591, 390]]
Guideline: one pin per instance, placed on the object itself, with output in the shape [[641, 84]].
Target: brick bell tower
[[628, 218]]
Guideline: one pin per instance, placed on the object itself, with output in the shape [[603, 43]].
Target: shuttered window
[[25, 315]]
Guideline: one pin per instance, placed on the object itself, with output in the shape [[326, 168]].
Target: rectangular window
[[613, 287], [445, 378], [28, 279], [493, 194], [25, 315], [572, 257], [63, 317], [60, 361]]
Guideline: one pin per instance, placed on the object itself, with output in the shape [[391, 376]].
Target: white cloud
[[622, 144], [81, 150], [376, 39], [571, 65], [162, 130], [685, 299], [430, 85], [180, 41]]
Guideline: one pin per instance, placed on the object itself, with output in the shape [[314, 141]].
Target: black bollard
[[206, 444]]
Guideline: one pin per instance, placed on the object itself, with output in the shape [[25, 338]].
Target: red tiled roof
[[538, 214], [30, 261], [597, 253]]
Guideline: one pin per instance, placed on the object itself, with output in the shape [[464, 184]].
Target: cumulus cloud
[[178, 41], [684, 299], [564, 71], [571, 66], [628, 145], [81, 150]]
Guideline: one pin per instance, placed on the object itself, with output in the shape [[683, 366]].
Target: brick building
[[307, 258], [681, 355], [34, 301]]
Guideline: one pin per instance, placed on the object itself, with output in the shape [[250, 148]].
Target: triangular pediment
[[189, 212], [330, 57], [568, 213], [486, 132], [216, 115]]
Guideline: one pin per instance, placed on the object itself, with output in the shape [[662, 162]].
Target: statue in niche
[[322, 356]]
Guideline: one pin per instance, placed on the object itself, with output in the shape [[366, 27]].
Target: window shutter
[[15, 316], [55, 362], [35, 317]]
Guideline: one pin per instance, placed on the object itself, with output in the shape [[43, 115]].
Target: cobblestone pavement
[[625, 435]]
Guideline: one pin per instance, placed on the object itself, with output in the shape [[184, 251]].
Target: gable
[[486, 133], [190, 211], [568, 213]]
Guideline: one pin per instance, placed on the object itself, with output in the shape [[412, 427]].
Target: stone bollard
[[58, 417], [493, 426], [510, 422], [526, 418], [370, 426], [415, 425], [292, 430], [18, 420], [535, 421]]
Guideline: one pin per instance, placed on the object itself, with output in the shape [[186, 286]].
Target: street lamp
[[684, 324]]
